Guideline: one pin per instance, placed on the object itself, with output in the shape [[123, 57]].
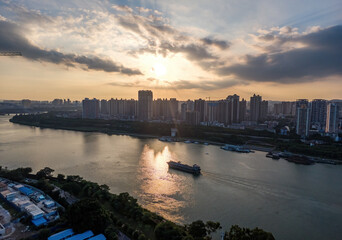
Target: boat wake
[[259, 187]]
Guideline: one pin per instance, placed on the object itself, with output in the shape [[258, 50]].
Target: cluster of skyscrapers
[[225, 112], [318, 116]]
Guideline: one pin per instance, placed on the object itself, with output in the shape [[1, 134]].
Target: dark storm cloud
[[11, 39], [320, 57], [194, 52], [217, 43]]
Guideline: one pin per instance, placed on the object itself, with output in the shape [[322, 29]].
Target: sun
[[159, 69]]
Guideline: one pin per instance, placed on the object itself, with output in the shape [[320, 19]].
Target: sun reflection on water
[[162, 191]]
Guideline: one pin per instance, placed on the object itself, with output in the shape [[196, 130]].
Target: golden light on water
[[161, 190]]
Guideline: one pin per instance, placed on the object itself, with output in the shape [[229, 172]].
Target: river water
[[291, 201]]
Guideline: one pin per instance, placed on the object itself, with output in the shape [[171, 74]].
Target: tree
[[168, 231], [74, 178], [44, 185], [72, 187], [60, 177], [88, 214], [197, 229], [142, 237], [111, 233], [45, 172], [212, 226], [43, 234], [237, 233]]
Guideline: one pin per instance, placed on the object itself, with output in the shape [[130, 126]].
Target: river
[[291, 201]]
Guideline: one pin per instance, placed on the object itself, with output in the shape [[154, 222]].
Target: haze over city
[[282, 50]]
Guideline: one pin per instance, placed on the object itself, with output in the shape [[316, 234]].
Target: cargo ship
[[195, 169]]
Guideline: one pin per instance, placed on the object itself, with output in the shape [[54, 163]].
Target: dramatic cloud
[[319, 56], [218, 43], [161, 38], [12, 39], [205, 85]]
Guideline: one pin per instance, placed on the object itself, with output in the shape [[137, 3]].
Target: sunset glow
[[70, 49]]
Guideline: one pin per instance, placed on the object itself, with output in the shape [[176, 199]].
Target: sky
[[281, 50]]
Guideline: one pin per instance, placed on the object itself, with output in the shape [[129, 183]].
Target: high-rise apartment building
[[242, 110], [145, 99], [104, 107], [184, 109], [233, 108], [255, 106], [90, 108], [173, 109], [200, 108], [284, 108], [302, 117], [263, 110], [332, 118], [319, 113]]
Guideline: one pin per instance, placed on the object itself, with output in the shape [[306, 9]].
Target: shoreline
[[138, 135], [260, 148]]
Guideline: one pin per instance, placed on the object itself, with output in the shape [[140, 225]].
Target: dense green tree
[[111, 232], [142, 237], [44, 185], [168, 231], [238, 233], [45, 172], [43, 234], [212, 227], [197, 229], [60, 177], [72, 187], [74, 178], [88, 214], [17, 174]]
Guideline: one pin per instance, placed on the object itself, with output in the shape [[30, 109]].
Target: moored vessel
[[235, 148], [300, 160]]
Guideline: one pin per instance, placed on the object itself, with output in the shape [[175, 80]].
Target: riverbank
[[111, 214], [261, 141]]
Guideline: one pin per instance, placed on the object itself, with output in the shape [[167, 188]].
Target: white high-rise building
[[332, 118]]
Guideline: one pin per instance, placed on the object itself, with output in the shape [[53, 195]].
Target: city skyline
[[104, 49]]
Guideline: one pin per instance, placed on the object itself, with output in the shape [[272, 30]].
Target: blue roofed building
[[62, 235], [81, 236], [98, 237], [26, 191], [39, 221]]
